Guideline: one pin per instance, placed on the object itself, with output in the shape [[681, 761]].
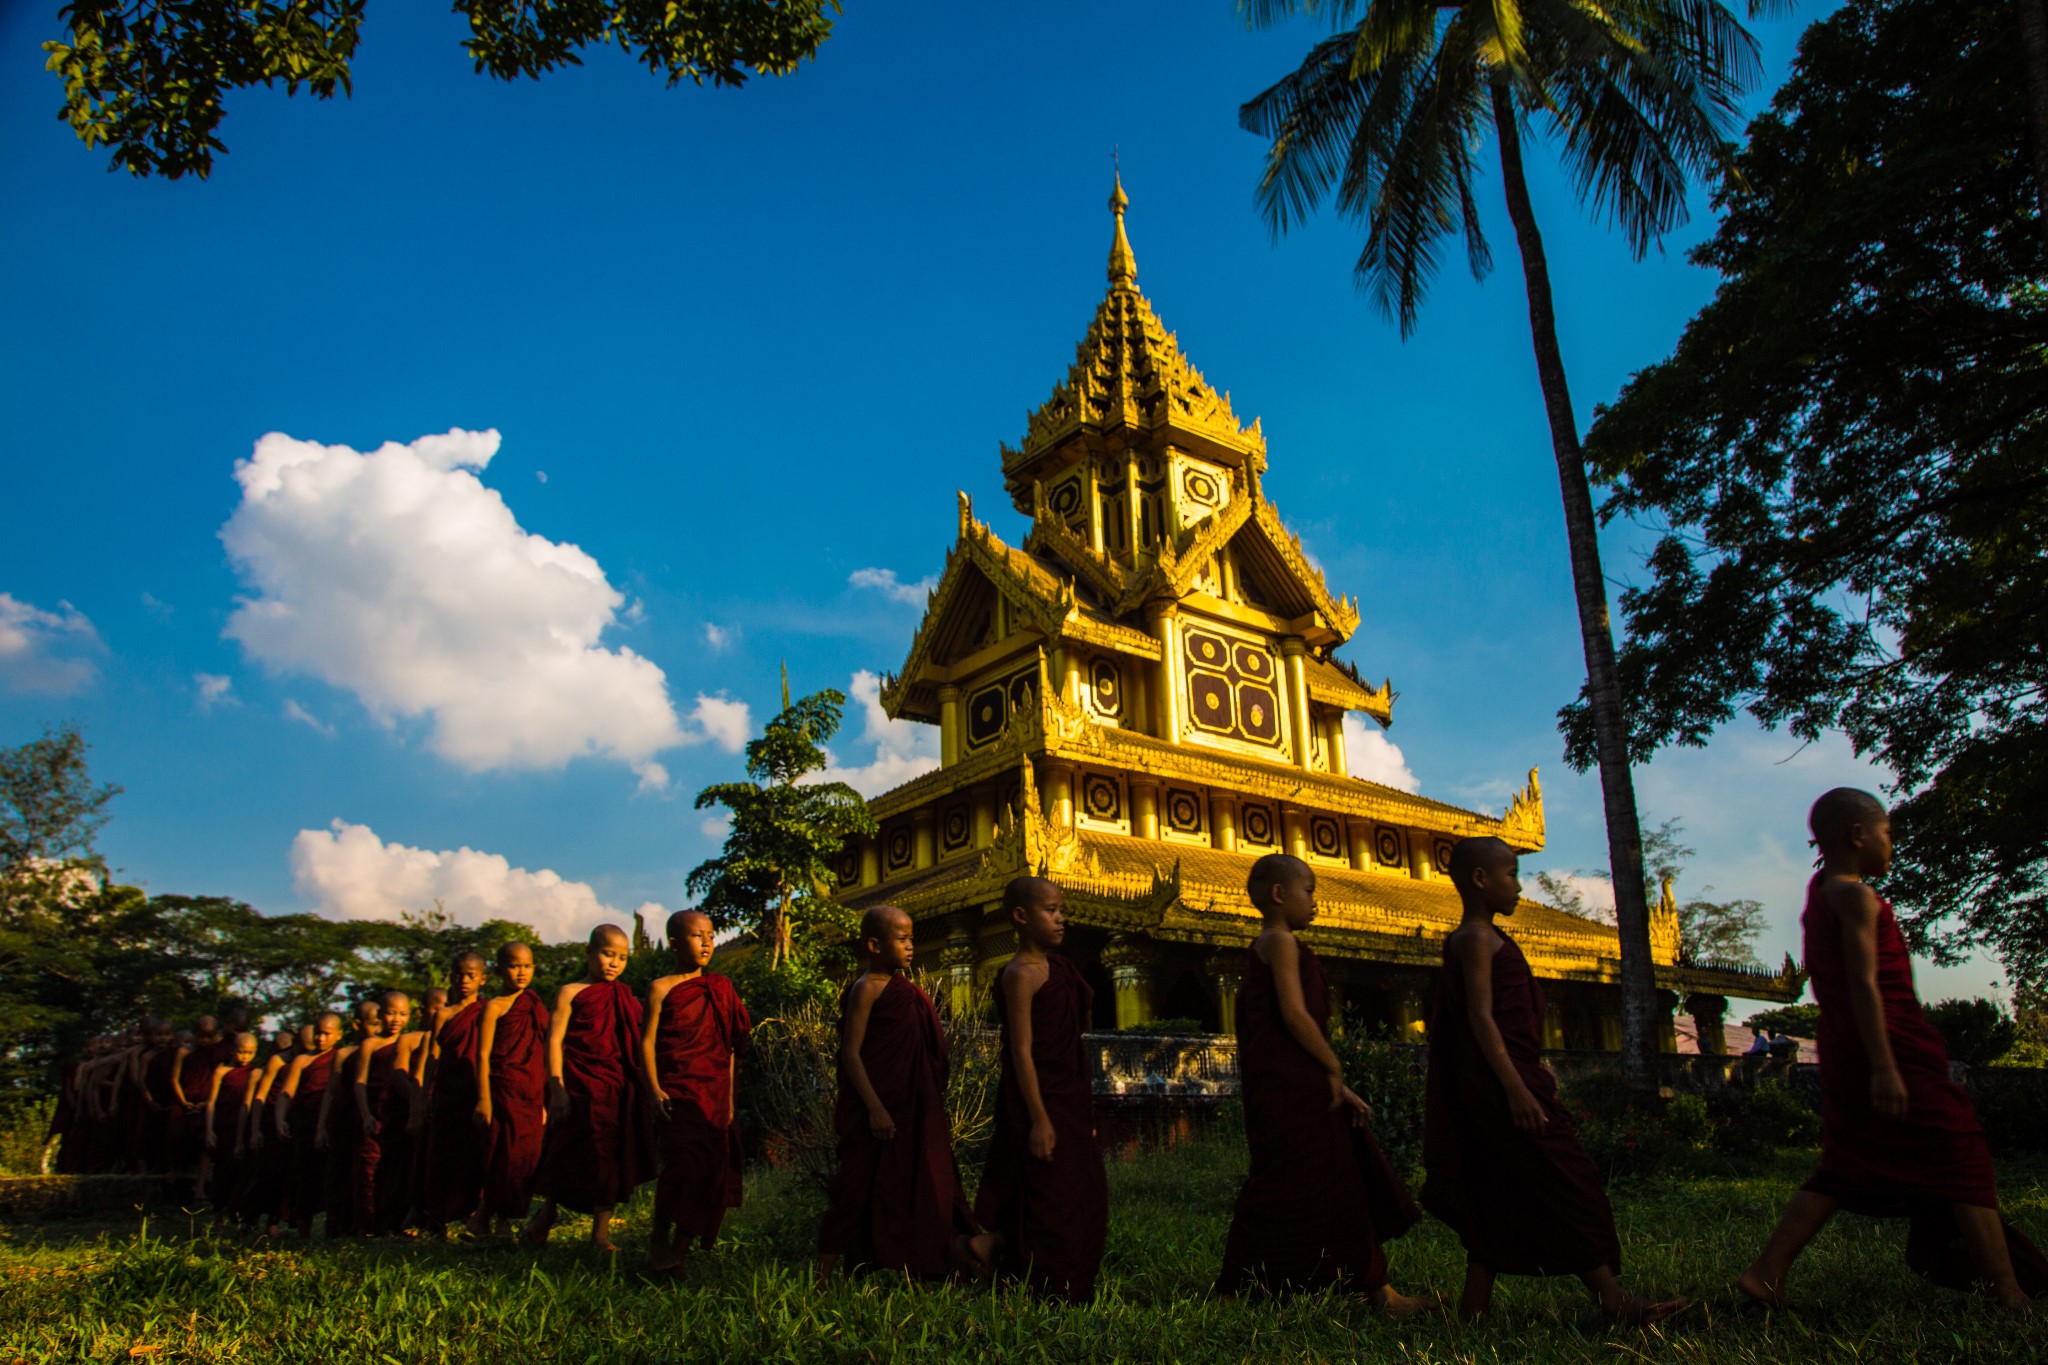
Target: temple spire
[[1123, 266]]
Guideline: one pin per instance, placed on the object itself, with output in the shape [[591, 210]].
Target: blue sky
[[740, 348]]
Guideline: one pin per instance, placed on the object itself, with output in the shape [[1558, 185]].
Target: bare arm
[[327, 1096], [486, 1036], [1855, 904], [212, 1102], [282, 1095], [178, 1078], [656, 993], [359, 1085], [860, 1004], [1281, 952], [1474, 953], [558, 1029], [1020, 982]]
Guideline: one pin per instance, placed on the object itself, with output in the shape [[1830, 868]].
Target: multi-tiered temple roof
[[1144, 696]]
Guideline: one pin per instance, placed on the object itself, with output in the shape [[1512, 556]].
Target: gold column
[[1340, 761], [1225, 969], [1358, 843], [1223, 821], [1061, 666], [870, 862], [1163, 617], [1145, 807], [1292, 660], [1610, 1030], [1553, 1023], [949, 725], [1405, 996], [1131, 503], [1294, 827], [1057, 782], [1418, 853], [1131, 962], [1667, 1025], [921, 823], [957, 962], [984, 805], [1096, 534], [1709, 1021]]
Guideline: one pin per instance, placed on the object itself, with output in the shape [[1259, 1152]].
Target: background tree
[[1389, 113], [1978, 1032], [1720, 932], [1799, 1021], [774, 875], [1848, 455], [146, 79]]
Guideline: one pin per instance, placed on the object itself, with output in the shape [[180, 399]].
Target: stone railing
[[1196, 1066]]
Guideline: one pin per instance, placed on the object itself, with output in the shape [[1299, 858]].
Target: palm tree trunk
[[1589, 585], [2034, 39]]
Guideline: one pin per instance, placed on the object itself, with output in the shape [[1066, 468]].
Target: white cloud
[[215, 690], [294, 711], [1593, 892], [1370, 755], [901, 749], [720, 638], [541, 474], [347, 872], [885, 582], [716, 826], [400, 577], [723, 721], [47, 652]]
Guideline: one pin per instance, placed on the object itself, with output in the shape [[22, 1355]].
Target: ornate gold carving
[[1522, 827]]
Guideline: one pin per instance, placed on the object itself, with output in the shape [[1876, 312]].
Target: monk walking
[[453, 1183], [1898, 1138], [269, 1156], [296, 1102], [191, 1079], [224, 1122], [511, 1106], [1044, 1195], [690, 1047], [340, 1125], [379, 1069], [896, 1202], [1503, 1164], [1320, 1196], [593, 1155]]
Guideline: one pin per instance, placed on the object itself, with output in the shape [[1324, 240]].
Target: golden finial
[[1123, 266]]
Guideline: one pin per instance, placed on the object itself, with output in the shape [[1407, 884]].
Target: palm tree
[[1391, 113]]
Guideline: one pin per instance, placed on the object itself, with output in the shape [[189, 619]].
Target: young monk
[[340, 1123], [1044, 1196], [269, 1157], [1503, 1164], [225, 1122], [896, 1202], [1320, 1196], [690, 1045], [453, 1183], [377, 1071], [511, 1097], [1898, 1138], [296, 1102], [594, 1152], [199, 1053], [153, 1073]]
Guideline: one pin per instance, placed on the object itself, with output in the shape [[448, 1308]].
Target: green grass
[[165, 1290]]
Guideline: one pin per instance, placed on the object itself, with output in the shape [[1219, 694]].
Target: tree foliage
[[1797, 1021], [1720, 932], [774, 875], [1978, 1032], [1846, 453], [146, 80]]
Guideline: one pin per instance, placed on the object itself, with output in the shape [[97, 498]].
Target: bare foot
[[605, 1246], [973, 1255], [1635, 1312], [479, 1226], [1759, 1291], [1397, 1305], [663, 1263], [536, 1234]]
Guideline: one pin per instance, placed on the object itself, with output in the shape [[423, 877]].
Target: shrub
[[1167, 1027], [24, 1126], [1801, 1021], [1762, 1119], [1977, 1031], [1388, 1076], [2012, 1105]]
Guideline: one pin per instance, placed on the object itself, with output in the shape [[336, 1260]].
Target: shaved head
[[605, 933], [679, 923], [330, 1017], [1841, 810], [1268, 873], [509, 951], [878, 922], [469, 959], [1469, 855], [396, 998], [367, 1011], [1023, 893]]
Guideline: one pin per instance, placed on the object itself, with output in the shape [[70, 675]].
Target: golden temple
[[1143, 697]]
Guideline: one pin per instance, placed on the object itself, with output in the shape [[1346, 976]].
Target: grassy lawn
[[165, 1290]]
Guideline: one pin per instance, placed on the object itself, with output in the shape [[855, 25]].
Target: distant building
[[1143, 697]]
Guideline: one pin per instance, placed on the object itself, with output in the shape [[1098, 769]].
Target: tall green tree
[[774, 875], [1388, 115], [146, 79], [1848, 451]]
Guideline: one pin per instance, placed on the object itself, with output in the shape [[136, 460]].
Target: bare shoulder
[[497, 1006], [1474, 942], [1276, 943], [568, 993], [658, 989], [1849, 898], [1023, 976]]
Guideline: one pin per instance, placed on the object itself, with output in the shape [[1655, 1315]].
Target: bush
[[1625, 1138], [24, 1126], [1167, 1028], [2013, 1107], [1977, 1032], [1762, 1119], [1801, 1021], [1388, 1076]]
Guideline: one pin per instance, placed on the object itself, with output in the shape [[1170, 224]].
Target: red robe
[[1316, 1203], [1053, 1215], [268, 1178], [1935, 1156], [595, 1157], [897, 1205], [307, 1191], [230, 1172], [367, 1148], [344, 1134], [703, 1028], [153, 1114], [519, 1083], [186, 1125], [397, 1166], [453, 1181], [1521, 1205]]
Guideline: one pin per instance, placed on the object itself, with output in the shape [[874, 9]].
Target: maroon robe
[[897, 1205], [595, 1156], [230, 1172], [703, 1028], [268, 1178], [1053, 1215], [185, 1128], [1921, 1164], [397, 1166], [519, 1086], [153, 1113], [452, 1182], [344, 1134], [1521, 1204], [367, 1148], [307, 1190], [1305, 1217]]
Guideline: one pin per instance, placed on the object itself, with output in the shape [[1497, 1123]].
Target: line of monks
[[494, 1102]]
